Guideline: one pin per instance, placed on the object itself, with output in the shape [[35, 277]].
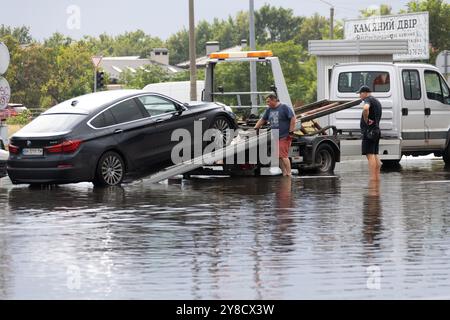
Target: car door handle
[[428, 111], [202, 119], [159, 120], [405, 111], [118, 131]]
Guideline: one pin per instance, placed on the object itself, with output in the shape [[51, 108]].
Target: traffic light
[[100, 80]]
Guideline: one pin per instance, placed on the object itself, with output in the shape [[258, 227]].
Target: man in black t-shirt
[[370, 119]]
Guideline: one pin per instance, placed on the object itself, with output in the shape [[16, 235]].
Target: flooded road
[[243, 238]]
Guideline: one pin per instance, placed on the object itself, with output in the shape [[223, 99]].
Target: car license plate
[[33, 152], [294, 151]]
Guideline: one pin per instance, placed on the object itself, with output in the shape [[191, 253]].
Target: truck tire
[[325, 159]]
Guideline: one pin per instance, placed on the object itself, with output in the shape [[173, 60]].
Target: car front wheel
[[222, 124], [110, 170]]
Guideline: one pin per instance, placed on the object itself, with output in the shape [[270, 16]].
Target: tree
[[178, 45], [70, 73], [382, 10], [21, 34], [29, 71], [317, 27], [58, 40], [276, 24], [139, 79], [135, 43]]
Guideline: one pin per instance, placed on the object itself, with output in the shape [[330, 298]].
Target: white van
[[416, 108], [179, 90]]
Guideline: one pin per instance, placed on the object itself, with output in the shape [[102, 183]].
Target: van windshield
[[353, 81], [52, 123]]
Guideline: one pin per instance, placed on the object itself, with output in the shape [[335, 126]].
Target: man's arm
[[260, 123], [366, 113], [292, 125]]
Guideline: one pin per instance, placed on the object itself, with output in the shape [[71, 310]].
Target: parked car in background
[[3, 157], [105, 136], [11, 110]]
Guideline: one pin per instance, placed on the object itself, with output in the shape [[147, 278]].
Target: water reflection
[[239, 238], [372, 213], [283, 234]]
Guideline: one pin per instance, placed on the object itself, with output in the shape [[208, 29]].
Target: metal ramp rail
[[323, 108], [210, 158]]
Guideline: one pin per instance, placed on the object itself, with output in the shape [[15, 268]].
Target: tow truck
[[314, 147]]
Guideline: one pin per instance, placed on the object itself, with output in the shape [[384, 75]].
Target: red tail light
[[13, 149], [66, 147]]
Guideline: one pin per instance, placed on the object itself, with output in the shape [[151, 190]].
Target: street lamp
[[331, 18]]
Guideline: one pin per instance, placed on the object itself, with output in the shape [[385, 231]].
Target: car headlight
[[225, 107]]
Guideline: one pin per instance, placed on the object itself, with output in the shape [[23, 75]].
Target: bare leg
[[283, 169], [374, 166], [287, 167]]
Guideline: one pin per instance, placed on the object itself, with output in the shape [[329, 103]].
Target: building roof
[[357, 47], [201, 62], [114, 66]]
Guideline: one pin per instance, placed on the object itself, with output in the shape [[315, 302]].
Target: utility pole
[[192, 51], [332, 23], [331, 18], [253, 77]]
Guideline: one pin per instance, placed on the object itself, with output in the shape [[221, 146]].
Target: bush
[[21, 119]]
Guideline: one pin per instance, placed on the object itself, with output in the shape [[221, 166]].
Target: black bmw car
[[106, 136]]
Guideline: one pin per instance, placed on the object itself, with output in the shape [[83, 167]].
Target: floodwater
[[333, 237]]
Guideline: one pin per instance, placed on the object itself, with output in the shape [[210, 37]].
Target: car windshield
[[49, 123]]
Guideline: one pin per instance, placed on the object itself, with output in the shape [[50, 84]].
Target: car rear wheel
[[110, 170], [325, 159], [223, 125]]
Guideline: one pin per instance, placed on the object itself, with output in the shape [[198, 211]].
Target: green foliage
[[141, 78], [21, 34], [178, 45], [276, 24], [43, 74], [439, 12], [382, 10], [21, 119]]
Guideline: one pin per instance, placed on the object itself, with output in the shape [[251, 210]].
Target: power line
[[331, 5]]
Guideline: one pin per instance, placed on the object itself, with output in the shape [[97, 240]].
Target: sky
[[77, 18]]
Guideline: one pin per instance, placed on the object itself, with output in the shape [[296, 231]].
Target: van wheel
[[446, 155], [110, 170], [325, 159]]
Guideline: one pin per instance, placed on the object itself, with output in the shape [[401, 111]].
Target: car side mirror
[[182, 108]]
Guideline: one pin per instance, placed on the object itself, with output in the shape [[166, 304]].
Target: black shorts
[[370, 146]]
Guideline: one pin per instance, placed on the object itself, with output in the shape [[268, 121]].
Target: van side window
[[436, 87], [411, 85], [352, 81]]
